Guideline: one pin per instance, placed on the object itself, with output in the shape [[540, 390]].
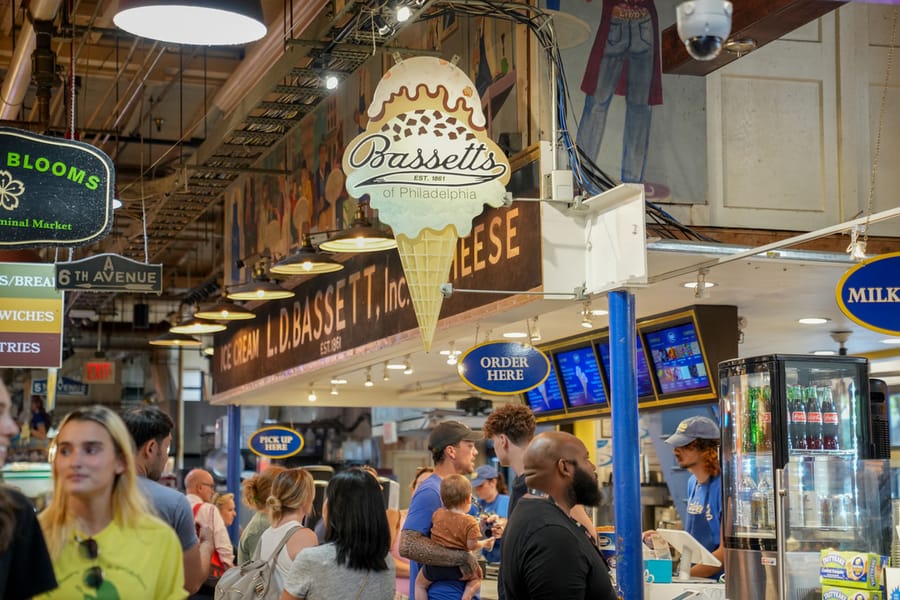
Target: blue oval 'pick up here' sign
[[869, 293], [503, 368], [275, 442]]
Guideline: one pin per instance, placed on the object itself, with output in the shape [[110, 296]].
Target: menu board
[[645, 386], [677, 359], [580, 376], [546, 397]]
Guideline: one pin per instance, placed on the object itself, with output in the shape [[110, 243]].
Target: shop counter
[[685, 590]]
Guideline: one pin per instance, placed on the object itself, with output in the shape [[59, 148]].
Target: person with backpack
[[288, 505], [354, 563]]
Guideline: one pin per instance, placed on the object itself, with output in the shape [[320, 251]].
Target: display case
[[797, 471]]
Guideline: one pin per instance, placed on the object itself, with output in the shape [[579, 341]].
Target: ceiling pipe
[[18, 77]]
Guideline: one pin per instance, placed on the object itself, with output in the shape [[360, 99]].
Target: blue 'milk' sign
[[869, 293], [503, 368]]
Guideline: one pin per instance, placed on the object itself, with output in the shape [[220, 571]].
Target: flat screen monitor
[[645, 385], [547, 397], [581, 377], [677, 359]]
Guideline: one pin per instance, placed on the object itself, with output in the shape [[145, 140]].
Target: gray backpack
[[253, 580]]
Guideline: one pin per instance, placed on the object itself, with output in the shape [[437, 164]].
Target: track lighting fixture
[[334, 390], [403, 13], [369, 382], [587, 317], [534, 331], [386, 376], [331, 82], [312, 394], [407, 366]]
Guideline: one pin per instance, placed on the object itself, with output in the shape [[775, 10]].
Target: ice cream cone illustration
[[429, 167]]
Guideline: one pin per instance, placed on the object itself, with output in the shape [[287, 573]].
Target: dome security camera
[[703, 26]]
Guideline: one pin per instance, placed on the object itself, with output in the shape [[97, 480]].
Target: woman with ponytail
[[255, 491], [288, 505]]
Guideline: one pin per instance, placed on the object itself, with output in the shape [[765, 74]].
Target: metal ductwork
[[18, 78]]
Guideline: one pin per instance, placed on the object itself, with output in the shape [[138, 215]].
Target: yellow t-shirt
[[138, 564]]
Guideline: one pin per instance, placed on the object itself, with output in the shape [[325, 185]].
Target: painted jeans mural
[[624, 60]]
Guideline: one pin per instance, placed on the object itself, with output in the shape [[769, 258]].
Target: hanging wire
[[881, 111]]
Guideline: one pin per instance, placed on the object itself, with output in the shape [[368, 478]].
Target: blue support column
[[625, 442], [235, 466]]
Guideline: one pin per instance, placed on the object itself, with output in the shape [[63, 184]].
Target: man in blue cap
[[490, 505], [696, 449]]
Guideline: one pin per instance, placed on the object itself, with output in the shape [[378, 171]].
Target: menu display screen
[[677, 359], [645, 386], [581, 378], [546, 397]]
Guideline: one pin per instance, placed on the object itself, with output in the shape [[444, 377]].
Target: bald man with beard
[[549, 556]]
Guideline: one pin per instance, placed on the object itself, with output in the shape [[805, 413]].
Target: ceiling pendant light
[[196, 326], [176, 340], [305, 261], [223, 310], [198, 22], [362, 236], [259, 289]]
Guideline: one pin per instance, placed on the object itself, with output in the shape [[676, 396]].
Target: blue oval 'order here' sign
[[275, 442], [503, 368], [869, 293]]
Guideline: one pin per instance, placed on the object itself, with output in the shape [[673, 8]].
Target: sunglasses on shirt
[[93, 576]]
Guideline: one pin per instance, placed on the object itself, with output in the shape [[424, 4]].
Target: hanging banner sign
[[53, 192], [869, 293], [109, 273], [503, 368], [275, 442], [31, 316], [64, 387]]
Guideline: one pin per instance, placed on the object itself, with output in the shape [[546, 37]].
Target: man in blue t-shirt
[[696, 443], [452, 447]]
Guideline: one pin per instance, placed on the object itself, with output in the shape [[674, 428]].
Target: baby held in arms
[[453, 527]]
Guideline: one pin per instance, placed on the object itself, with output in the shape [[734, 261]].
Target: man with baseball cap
[[452, 447], [696, 448]]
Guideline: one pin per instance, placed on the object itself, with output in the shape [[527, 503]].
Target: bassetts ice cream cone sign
[[428, 166]]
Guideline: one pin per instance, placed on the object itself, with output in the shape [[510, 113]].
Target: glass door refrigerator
[[797, 473]]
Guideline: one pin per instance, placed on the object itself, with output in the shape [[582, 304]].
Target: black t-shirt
[[25, 567], [517, 490], [547, 557]]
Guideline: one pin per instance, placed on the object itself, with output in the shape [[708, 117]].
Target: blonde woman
[[254, 492], [98, 525], [290, 501], [225, 504]]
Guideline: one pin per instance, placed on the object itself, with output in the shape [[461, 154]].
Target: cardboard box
[[836, 592], [851, 569]]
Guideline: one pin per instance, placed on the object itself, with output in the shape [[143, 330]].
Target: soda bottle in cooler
[[830, 420], [751, 423], [813, 419], [765, 416], [797, 410]]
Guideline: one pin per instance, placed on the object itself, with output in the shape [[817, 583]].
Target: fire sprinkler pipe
[[18, 77]]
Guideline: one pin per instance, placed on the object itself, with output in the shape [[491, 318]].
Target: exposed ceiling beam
[[760, 20]]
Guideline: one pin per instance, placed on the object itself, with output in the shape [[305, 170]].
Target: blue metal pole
[[625, 442], [234, 466]]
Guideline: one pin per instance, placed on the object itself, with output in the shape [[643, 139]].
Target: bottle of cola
[[814, 439], [797, 412], [830, 420]]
